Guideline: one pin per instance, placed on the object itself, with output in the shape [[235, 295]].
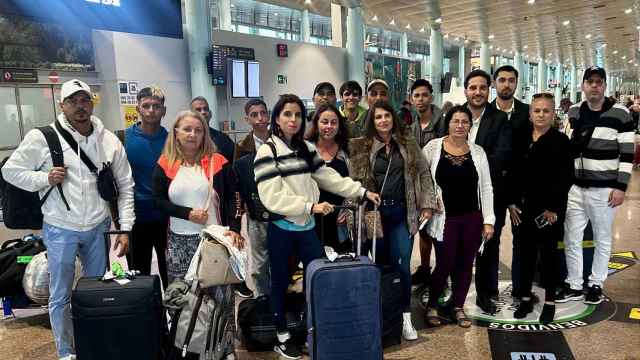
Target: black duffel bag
[[14, 257], [257, 326]]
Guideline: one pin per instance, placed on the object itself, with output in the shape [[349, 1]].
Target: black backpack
[[14, 257], [21, 209]]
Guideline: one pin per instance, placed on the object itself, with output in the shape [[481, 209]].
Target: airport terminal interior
[[230, 51]]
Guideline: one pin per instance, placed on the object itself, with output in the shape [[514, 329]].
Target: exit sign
[[282, 50]]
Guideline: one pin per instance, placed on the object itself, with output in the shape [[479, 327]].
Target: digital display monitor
[[253, 79], [238, 79]]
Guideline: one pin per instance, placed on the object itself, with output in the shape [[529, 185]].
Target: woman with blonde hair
[[195, 186]]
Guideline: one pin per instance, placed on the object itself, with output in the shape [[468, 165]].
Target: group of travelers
[[450, 176]]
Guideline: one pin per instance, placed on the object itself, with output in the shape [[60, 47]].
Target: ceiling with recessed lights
[[557, 30]]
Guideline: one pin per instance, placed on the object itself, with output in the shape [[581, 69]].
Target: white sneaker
[[408, 331], [69, 357]]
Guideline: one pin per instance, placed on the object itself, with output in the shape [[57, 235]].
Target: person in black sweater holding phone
[[539, 189]]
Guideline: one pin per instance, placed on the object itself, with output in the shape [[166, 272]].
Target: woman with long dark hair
[[329, 134], [289, 174], [388, 161]]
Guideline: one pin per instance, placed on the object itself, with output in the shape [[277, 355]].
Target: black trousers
[[486, 277], [534, 242], [145, 237]]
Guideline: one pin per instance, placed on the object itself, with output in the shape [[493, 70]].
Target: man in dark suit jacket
[[490, 129], [223, 142], [505, 80]]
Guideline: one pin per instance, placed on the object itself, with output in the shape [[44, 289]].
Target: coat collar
[[171, 170]]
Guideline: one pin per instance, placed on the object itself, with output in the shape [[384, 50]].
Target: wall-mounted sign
[[157, 17], [282, 50], [19, 76], [282, 79]]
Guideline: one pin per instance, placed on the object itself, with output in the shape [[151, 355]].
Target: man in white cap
[[377, 90], [76, 230]]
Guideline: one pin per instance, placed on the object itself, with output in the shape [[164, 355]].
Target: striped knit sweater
[[290, 187], [607, 159]]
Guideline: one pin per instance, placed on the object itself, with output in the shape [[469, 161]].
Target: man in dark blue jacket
[[223, 142], [143, 143]]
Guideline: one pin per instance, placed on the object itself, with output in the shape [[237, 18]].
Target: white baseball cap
[[375, 82], [73, 86]]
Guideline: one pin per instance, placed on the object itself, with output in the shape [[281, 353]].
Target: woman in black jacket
[[542, 177]]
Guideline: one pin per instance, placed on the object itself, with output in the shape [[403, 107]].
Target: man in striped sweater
[[603, 144]]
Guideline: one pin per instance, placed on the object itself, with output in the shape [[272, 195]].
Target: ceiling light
[[531, 2], [374, 18], [491, 36], [566, 23], [615, 52], [511, 52], [457, 38], [438, 20], [635, 65], [408, 27], [446, 36], [422, 30], [308, 2], [604, 45], [624, 57], [638, 27], [233, 6], [393, 22], [466, 41], [628, 11], [588, 36], [491, 47], [525, 47], [549, 54], [275, 14], [498, 48], [630, 61]]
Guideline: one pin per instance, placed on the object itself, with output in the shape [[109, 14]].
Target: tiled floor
[[30, 337]]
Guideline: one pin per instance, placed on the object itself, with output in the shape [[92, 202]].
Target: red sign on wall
[[282, 50]]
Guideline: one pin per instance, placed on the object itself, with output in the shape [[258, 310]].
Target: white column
[[461, 64], [197, 34], [574, 83], [305, 27], [436, 57], [542, 76], [485, 57], [355, 45], [522, 80], [404, 45], [336, 25], [224, 14], [560, 78]]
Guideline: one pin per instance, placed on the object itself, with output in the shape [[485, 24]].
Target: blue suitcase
[[343, 308]]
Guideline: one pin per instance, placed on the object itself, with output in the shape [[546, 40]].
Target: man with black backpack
[[95, 173]]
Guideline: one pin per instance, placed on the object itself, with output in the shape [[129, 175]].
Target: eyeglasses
[[82, 101], [152, 107]]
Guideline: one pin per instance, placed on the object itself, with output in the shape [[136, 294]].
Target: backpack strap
[[57, 157], [74, 146], [121, 136]]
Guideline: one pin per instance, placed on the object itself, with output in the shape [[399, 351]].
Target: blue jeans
[[62, 248], [282, 244], [395, 247]]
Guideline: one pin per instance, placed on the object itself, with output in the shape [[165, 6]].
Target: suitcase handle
[[107, 243]]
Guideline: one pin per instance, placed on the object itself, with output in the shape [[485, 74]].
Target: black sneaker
[[594, 295], [288, 350], [568, 294], [486, 304], [243, 291], [421, 276]]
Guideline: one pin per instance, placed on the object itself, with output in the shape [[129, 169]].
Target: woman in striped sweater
[[289, 174]]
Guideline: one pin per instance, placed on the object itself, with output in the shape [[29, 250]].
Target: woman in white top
[[464, 194]]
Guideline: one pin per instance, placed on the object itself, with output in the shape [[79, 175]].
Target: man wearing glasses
[[76, 230], [144, 142], [602, 141]]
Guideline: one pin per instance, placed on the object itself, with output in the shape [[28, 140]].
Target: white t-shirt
[[190, 188]]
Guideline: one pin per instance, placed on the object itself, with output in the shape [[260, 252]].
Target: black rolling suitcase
[[113, 321]]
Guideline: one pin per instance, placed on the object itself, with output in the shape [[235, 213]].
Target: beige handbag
[[214, 268]]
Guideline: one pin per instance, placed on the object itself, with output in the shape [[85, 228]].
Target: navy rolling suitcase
[[343, 307], [112, 321]]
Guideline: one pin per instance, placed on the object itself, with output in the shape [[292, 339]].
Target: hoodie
[[28, 168]]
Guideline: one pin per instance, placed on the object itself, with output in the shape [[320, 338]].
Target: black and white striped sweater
[[291, 187], [607, 159]]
